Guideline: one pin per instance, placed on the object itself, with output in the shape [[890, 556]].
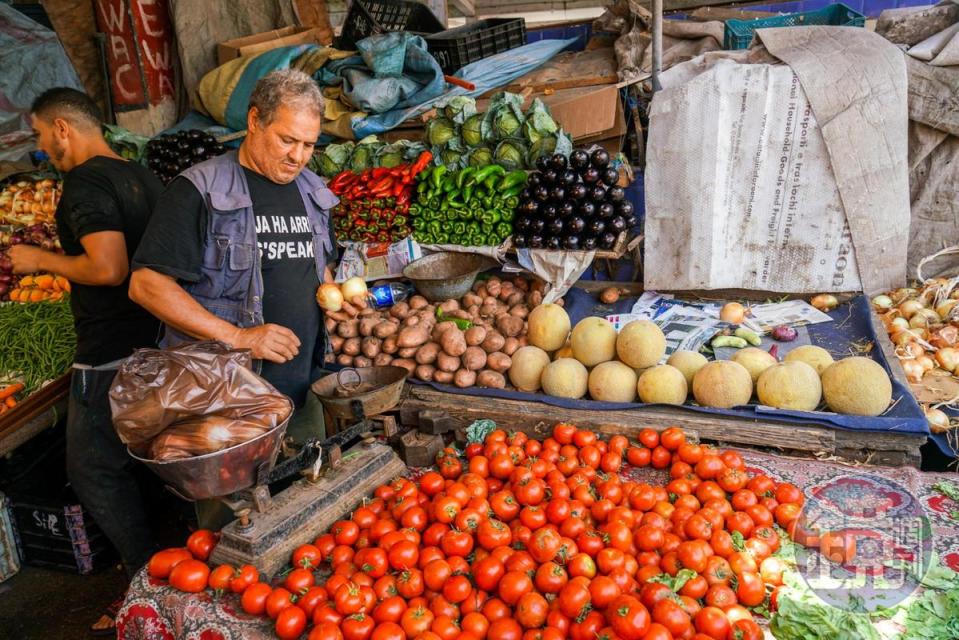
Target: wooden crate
[[874, 447]]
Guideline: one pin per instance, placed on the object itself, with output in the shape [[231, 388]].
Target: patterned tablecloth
[[154, 611]]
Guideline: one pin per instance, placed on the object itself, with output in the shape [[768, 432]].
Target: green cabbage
[[362, 158], [539, 122], [333, 159], [389, 155], [459, 108], [479, 157], [473, 130], [510, 153], [440, 130], [505, 115]]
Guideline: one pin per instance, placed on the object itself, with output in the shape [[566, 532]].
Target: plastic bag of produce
[[198, 398]]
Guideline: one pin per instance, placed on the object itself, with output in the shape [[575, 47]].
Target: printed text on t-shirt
[[279, 249]]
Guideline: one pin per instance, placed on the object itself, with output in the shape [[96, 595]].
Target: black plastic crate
[[371, 17], [83, 559], [456, 48]]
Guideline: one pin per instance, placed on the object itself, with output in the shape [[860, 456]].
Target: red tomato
[[278, 600], [325, 631], [836, 546], [357, 627], [189, 576], [243, 578], [628, 618], [750, 590], [745, 630], [712, 622], [253, 600], [649, 438], [672, 616], [162, 562], [290, 623], [299, 581], [201, 543]]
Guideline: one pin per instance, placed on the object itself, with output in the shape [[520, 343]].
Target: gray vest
[[231, 284]]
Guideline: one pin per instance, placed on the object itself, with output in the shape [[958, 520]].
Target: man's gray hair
[[288, 87]]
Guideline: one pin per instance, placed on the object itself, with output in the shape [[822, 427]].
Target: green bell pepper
[[512, 179]]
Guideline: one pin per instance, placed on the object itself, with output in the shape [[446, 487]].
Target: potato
[[510, 346], [336, 343], [520, 311], [481, 290], [443, 377], [412, 336], [494, 342], [330, 357], [475, 336], [411, 321], [369, 312], [471, 300], [385, 329], [477, 284], [474, 358], [447, 363], [449, 306], [509, 326], [464, 378], [408, 352], [424, 372], [537, 286], [535, 299], [474, 312], [367, 325], [330, 323], [362, 361], [521, 283], [400, 310], [371, 346], [418, 302], [493, 288], [453, 342], [351, 346], [506, 289], [389, 345], [440, 328], [462, 314], [344, 360], [409, 365], [499, 362], [348, 329], [427, 353], [491, 380], [523, 341], [516, 298], [382, 360]]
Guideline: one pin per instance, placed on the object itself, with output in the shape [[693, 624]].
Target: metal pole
[[657, 43]]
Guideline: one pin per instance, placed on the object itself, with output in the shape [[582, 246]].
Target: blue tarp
[[852, 323]]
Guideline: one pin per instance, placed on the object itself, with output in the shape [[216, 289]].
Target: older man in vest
[[239, 244]]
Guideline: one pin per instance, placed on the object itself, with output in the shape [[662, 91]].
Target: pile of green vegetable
[[368, 153], [504, 134], [37, 342], [471, 207]]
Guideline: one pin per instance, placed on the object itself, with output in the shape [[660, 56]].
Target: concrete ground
[[43, 604]]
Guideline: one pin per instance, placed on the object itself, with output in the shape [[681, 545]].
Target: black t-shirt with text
[[107, 194], [173, 246]]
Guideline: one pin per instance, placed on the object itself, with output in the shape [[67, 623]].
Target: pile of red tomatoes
[[530, 540]]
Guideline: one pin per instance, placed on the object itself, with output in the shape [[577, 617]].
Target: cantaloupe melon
[[548, 327], [816, 357], [641, 344], [790, 385], [755, 360], [526, 368], [593, 341], [722, 384], [688, 362], [662, 384], [565, 378], [612, 381], [857, 386]]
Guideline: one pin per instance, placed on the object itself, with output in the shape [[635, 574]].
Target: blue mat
[[851, 324]]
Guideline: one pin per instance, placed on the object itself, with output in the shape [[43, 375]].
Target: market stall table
[[155, 611]]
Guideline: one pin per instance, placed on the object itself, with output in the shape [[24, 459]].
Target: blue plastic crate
[[739, 33]]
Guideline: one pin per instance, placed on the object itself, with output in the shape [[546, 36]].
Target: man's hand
[[268, 342], [26, 259]]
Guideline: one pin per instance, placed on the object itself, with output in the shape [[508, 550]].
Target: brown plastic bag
[[198, 398]]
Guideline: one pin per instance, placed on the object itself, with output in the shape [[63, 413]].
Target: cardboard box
[[260, 42]]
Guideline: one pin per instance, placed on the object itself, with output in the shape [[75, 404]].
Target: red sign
[[139, 52]]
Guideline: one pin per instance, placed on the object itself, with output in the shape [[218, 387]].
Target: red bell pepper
[[422, 162]]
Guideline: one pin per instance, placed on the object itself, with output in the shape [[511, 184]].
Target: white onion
[[825, 302], [913, 369], [882, 302], [898, 324], [948, 358], [927, 363], [943, 310], [924, 318], [733, 312], [909, 308], [329, 297], [937, 419], [355, 287]]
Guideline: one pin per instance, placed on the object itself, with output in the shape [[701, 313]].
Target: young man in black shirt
[[239, 245], [104, 210]]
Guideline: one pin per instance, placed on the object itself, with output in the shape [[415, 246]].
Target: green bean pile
[[37, 342]]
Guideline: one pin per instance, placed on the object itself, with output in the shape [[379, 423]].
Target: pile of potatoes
[[425, 339]]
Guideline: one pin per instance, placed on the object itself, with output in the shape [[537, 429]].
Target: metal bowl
[[446, 276], [377, 389], [221, 473]]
